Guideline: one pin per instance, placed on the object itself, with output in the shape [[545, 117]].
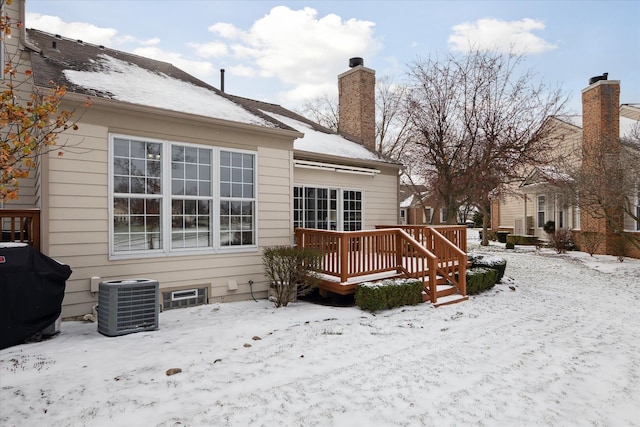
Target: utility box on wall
[[128, 306]]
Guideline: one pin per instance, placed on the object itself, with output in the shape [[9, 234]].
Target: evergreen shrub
[[480, 279], [489, 261], [518, 239], [390, 293]]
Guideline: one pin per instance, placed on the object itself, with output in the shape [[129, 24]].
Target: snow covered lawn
[[562, 348]]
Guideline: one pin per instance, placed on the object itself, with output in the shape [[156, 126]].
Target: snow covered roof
[[574, 120], [546, 175], [628, 119], [406, 203], [317, 139], [106, 73]]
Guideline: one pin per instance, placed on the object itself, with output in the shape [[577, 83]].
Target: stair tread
[[450, 299]]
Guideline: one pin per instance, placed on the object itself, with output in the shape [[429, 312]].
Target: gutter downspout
[[23, 29]]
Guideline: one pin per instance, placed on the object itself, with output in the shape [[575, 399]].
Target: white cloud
[[199, 69], [228, 31], [298, 48], [504, 36], [242, 71], [302, 50], [109, 37], [75, 30], [152, 42], [209, 50]]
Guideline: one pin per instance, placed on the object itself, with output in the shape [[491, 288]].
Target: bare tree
[[477, 122], [392, 125], [439, 150], [391, 122], [322, 110]]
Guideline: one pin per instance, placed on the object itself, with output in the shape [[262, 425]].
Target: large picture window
[[171, 197], [327, 208]]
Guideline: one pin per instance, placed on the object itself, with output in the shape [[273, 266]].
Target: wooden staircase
[[425, 254]]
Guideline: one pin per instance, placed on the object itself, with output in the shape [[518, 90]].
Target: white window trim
[[340, 201], [424, 215], [166, 251], [544, 210], [442, 216]]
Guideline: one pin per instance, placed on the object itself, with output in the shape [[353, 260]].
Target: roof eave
[[128, 106], [310, 155]]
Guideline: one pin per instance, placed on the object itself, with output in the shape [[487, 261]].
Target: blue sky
[[287, 52]]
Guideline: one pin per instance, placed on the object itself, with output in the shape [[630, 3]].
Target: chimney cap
[[604, 76], [354, 62]]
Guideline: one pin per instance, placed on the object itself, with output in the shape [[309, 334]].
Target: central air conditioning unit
[[127, 306]]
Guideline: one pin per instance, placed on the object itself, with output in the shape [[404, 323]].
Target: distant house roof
[[629, 117], [542, 175], [111, 74]]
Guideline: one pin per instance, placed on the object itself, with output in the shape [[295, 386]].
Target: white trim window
[[403, 216], [542, 202], [427, 214], [443, 215], [327, 208], [163, 198]]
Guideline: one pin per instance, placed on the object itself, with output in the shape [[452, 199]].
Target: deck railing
[[456, 234], [448, 243], [354, 254], [21, 225]]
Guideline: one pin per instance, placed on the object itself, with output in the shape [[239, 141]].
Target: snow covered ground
[[557, 344]]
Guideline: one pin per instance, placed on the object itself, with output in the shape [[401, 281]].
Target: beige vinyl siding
[[380, 192], [511, 209], [275, 226], [76, 219]]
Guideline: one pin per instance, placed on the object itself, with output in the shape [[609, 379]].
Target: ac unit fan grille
[[128, 306]]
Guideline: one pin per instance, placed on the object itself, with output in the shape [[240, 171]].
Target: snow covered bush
[[489, 261], [291, 271], [390, 293], [480, 279]]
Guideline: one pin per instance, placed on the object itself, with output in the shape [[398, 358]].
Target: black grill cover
[[31, 292]]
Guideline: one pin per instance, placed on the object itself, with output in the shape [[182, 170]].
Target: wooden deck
[[433, 256]]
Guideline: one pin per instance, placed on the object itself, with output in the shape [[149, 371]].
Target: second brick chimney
[[600, 146], [357, 103]]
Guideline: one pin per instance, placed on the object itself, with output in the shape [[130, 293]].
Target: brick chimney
[[357, 103], [600, 147], [601, 113]]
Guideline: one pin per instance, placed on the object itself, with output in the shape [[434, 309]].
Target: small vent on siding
[[184, 298]]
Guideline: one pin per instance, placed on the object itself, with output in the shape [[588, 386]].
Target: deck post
[[344, 258]]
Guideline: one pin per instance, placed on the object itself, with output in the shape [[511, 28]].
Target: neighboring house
[[171, 179], [419, 207], [542, 195]]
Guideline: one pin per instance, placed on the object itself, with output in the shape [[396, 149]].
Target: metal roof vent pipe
[[222, 79], [604, 76], [354, 62]]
